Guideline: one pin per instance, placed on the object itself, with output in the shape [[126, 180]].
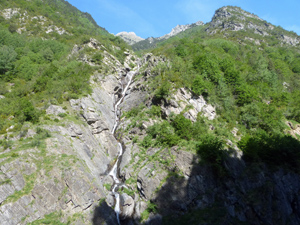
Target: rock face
[[180, 28], [182, 99], [127, 206], [130, 37], [230, 18]]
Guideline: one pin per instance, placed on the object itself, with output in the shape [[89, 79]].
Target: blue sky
[[157, 17]]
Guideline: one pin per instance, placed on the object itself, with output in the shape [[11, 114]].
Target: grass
[[107, 186], [151, 208], [29, 185], [128, 191], [52, 219]]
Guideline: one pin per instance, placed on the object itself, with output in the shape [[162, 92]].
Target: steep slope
[[55, 19]]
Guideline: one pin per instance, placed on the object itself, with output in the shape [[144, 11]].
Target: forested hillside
[[252, 80], [36, 65]]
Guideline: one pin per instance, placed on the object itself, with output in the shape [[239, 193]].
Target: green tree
[[7, 58]]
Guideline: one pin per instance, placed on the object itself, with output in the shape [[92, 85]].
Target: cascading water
[[114, 171]]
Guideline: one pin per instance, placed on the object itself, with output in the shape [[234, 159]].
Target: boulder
[[127, 206], [55, 110]]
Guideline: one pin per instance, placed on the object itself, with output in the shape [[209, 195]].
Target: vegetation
[[254, 87], [35, 69]]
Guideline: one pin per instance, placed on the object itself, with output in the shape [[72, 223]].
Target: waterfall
[[114, 171]]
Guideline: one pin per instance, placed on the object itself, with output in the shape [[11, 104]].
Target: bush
[[183, 127], [97, 57], [162, 91], [210, 149], [155, 111], [199, 86], [163, 133], [27, 112], [7, 57]]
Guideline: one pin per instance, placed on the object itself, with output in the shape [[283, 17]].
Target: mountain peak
[[129, 37], [232, 18], [230, 11], [180, 28]]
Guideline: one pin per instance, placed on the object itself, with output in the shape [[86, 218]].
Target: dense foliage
[[36, 68], [255, 88]]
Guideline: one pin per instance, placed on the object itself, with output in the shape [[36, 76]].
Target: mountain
[[130, 37], [230, 22], [152, 42], [234, 19], [203, 128]]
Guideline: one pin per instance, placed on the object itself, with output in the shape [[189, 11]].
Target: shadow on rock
[[104, 215], [224, 190]]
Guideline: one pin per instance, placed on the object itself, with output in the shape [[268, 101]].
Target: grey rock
[[5, 191], [156, 219], [99, 126], [87, 151], [55, 110], [18, 182], [91, 117], [130, 37], [75, 131], [127, 206]]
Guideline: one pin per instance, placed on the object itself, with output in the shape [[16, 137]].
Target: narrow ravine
[[114, 173]]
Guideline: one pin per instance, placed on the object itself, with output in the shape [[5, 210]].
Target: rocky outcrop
[[24, 19], [180, 28], [130, 37], [228, 18], [181, 99], [127, 206], [55, 110], [235, 19]]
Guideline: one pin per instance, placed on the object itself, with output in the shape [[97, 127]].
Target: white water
[[130, 75], [114, 171]]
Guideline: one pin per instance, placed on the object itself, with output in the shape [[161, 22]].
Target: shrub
[[198, 86], [97, 57], [164, 134], [155, 111], [210, 149], [183, 127]]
